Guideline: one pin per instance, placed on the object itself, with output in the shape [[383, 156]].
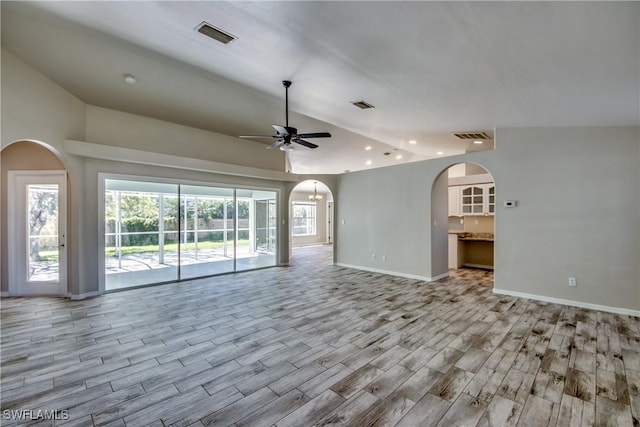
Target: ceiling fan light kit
[[286, 134]]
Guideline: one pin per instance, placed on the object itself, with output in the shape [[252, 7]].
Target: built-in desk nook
[[471, 250]]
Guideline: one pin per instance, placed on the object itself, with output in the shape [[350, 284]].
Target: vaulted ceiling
[[431, 69]]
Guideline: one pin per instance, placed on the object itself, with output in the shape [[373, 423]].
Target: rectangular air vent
[[215, 33], [362, 104], [472, 135]]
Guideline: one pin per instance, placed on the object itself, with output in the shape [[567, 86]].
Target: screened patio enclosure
[[161, 232]]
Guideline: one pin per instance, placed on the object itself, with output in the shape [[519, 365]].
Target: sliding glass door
[[141, 232], [158, 232], [207, 234], [256, 229]]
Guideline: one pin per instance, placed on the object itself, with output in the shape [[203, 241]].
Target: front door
[[37, 232]]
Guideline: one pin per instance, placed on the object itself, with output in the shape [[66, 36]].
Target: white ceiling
[[430, 68]]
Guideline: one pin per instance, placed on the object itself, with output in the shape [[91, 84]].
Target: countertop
[[473, 237]]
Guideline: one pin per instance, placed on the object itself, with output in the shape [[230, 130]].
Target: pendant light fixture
[[315, 196]]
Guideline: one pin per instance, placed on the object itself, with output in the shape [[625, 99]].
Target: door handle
[[62, 245]]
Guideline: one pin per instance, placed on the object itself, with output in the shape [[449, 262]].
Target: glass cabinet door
[[491, 201], [473, 200]]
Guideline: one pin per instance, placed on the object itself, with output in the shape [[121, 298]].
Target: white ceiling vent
[[362, 105], [472, 135], [215, 33]]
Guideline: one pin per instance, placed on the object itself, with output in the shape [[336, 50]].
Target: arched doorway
[[34, 220], [464, 203], [311, 212]]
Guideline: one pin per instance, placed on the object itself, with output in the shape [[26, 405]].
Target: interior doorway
[[37, 220], [311, 211], [467, 239]]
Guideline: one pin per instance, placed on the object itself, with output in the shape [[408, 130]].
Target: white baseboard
[[390, 273], [439, 276], [85, 295], [606, 308]]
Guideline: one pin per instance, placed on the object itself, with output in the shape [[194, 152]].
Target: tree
[[43, 205]]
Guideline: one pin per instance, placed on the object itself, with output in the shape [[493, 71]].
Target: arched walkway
[[311, 211], [34, 189], [463, 207]]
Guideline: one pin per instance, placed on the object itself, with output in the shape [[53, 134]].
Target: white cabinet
[[454, 201], [477, 199], [490, 199], [472, 199]]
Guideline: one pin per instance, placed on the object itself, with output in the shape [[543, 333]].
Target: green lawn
[[147, 249], [170, 247]]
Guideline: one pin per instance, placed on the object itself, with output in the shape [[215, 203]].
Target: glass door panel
[[262, 226], [141, 220], [36, 232], [256, 239], [207, 230], [43, 260]]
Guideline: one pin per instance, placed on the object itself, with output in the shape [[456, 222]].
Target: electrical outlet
[[373, 256], [384, 257], [572, 281]]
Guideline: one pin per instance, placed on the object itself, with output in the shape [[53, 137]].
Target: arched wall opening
[[463, 209], [311, 224], [24, 155]]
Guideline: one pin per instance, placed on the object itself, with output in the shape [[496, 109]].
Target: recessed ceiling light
[[413, 142], [368, 147], [440, 153], [368, 162], [399, 156], [129, 78], [478, 142]]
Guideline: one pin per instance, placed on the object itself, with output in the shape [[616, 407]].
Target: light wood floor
[[316, 344]]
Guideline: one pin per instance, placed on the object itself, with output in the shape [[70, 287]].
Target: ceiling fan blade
[[281, 130], [275, 144], [258, 136], [315, 135], [305, 143]]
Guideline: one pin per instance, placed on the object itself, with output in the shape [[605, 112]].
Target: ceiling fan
[[285, 135]]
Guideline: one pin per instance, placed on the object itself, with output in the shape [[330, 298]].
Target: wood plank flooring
[[318, 345]]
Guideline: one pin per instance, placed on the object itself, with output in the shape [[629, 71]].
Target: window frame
[[311, 229]]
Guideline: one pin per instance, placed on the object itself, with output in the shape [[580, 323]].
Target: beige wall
[[479, 224], [577, 215], [34, 108], [116, 128]]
